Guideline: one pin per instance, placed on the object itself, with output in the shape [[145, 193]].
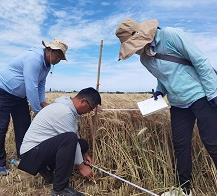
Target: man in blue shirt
[[23, 81], [191, 90]]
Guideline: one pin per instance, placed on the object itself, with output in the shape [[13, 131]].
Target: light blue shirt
[[183, 84], [25, 76]]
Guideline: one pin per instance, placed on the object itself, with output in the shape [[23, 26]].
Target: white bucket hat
[[135, 36], [57, 45]]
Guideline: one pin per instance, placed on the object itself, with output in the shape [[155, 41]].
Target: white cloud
[[23, 24], [129, 75], [166, 4], [21, 21], [84, 2], [68, 83], [29, 10], [20, 26], [207, 44], [118, 81], [105, 3], [169, 4], [87, 33], [69, 16]]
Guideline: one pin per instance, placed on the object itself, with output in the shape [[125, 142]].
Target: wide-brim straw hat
[[57, 45], [135, 36]]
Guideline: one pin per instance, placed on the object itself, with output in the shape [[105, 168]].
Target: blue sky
[[83, 23]]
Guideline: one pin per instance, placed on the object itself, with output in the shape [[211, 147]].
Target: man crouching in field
[[51, 145]]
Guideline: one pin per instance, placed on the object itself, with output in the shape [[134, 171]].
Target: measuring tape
[[120, 109], [130, 183]]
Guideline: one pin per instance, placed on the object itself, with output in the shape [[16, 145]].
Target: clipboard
[[150, 106]]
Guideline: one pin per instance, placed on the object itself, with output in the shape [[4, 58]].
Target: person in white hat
[[186, 76], [22, 81]]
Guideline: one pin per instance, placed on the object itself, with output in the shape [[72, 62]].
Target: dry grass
[[128, 145]]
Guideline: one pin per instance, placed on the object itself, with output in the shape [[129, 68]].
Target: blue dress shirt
[[25, 76]]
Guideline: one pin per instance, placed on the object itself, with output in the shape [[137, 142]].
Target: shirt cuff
[[78, 156]]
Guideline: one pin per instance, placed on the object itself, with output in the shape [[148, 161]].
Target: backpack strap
[[174, 59]]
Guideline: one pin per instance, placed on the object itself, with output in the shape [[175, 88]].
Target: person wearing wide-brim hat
[[57, 46], [22, 81], [186, 76], [135, 36]]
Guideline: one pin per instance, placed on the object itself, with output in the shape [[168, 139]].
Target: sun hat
[[57, 45], [135, 36]]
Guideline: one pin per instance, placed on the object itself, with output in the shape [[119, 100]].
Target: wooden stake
[[99, 65], [94, 118]]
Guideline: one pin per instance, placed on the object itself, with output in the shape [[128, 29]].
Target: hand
[[85, 170], [156, 94], [213, 102], [44, 104], [34, 114], [87, 158]]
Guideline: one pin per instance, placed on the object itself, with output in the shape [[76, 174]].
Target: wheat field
[[126, 144]]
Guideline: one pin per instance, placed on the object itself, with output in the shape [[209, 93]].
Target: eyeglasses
[[91, 107]]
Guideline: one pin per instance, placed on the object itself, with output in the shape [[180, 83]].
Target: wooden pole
[[99, 65], [94, 118]]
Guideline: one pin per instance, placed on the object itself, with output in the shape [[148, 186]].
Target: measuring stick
[[120, 109]]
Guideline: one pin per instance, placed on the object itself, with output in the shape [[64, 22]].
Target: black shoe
[[66, 192], [47, 175]]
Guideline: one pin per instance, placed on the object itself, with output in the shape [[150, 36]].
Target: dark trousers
[[57, 153], [182, 122], [19, 110]]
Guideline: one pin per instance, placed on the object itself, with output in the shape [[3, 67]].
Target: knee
[[69, 137], [211, 148]]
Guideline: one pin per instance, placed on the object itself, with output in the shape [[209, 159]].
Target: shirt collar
[[72, 106]]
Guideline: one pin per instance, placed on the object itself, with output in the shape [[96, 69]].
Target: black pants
[[19, 110], [182, 121], [57, 153]]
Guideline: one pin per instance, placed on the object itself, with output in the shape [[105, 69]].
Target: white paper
[[150, 106]]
